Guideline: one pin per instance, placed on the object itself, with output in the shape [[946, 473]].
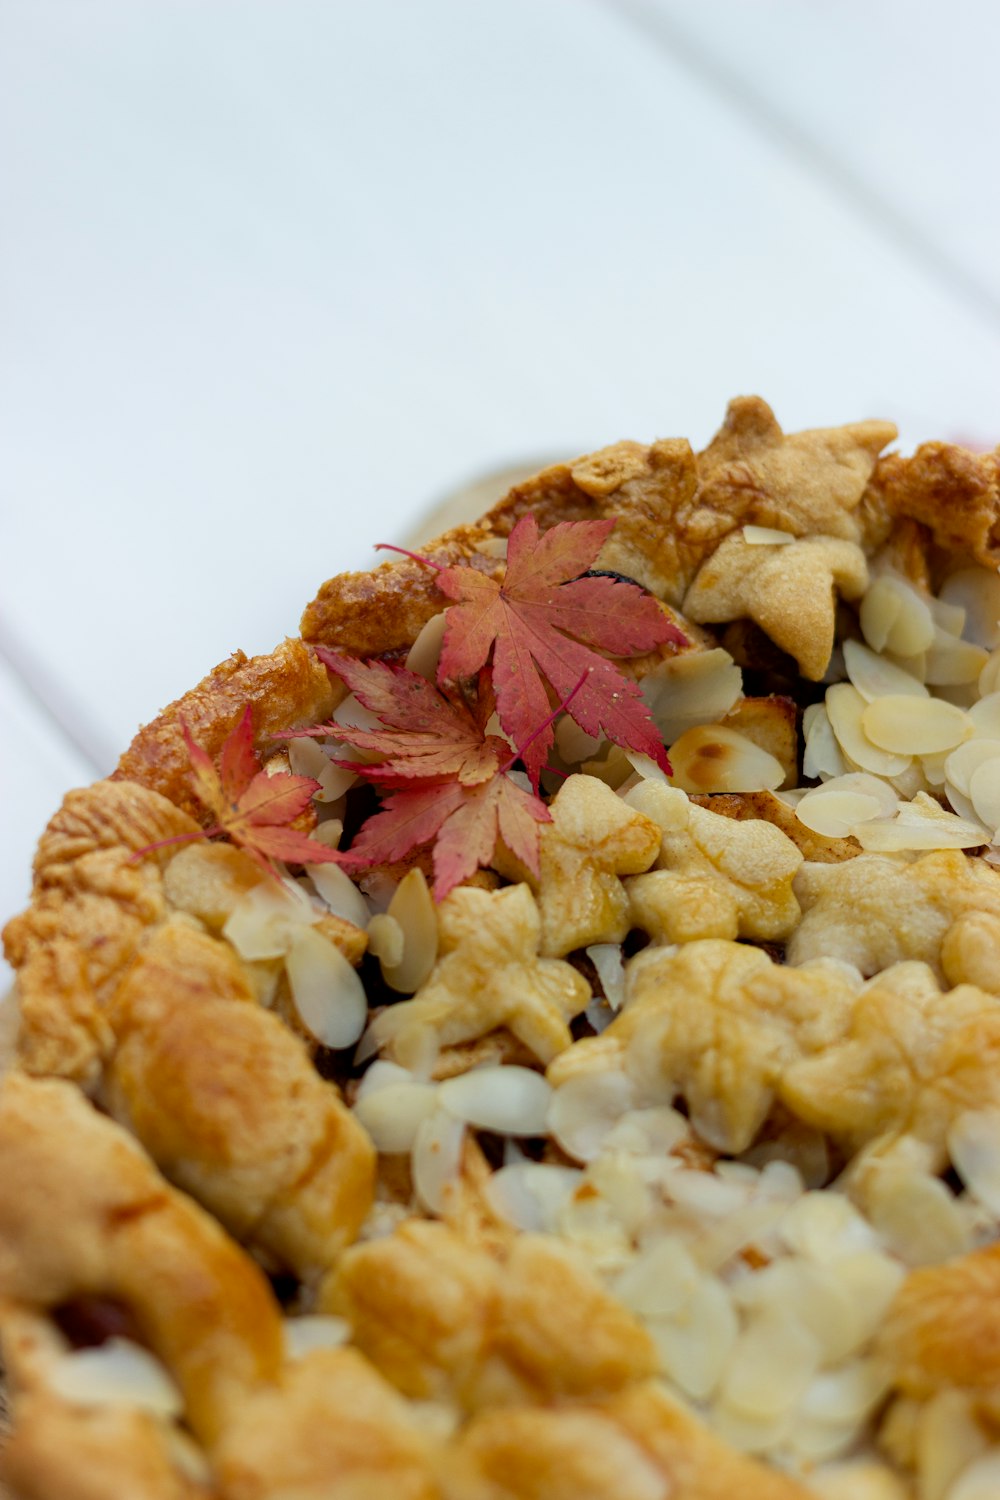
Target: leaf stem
[[559, 708], [425, 561], [179, 838]]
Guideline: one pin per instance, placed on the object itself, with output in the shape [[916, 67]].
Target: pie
[[633, 1134]]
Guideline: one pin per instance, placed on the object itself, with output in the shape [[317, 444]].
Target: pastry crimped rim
[[119, 1002]]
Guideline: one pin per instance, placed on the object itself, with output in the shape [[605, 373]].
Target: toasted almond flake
[[916, 1216], [531, 1195], [308, 758], [825, 1225], [913, 828], [949, 1440], [385, 939], [424, 654], [904, 725], [392, 1115], [607, 960], [327, 993], [412, 908], [437, 1158], [980, 1481], [263, 923], [751, 1434], [872, 1280], [894, 617], [952, 661], [655, 1131], [711, 758], [766, 536], [989, 677], [950, 617], [695, 1345], [509, 1100], [809, 1295], [697, 687], [858, 1479], [340, 893], [660, 1281], [984, 792], [985, 716], [646, 767], [933, 767], [846, 709], [848, 1394], [974, 1148], [822, 755], [875, 677], [911, 782], [354, 715], [312, 1331], [382, 1075], [585, 1110], [772, 1361], [961, 803], [575, 744], [118, 1373], [328, 833], [977, 592], [816, 1441], [834, 814]]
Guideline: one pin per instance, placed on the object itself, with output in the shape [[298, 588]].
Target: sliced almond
[[340, 893], [914, 828], [904, 725], [509, 1100], [308, 758], [875, 677], [385, 939], [263, 923], [834, 814], [974, 1148], [960, 763], [573, 743], [846, 708], [327, 992], [950, 617], [697, 687], [437, 1158], [894, 617], [117, 1373], [711, 758], [822, 755], [424, 654], [977, 592], [952, 661], [989, 677], [393, 1115], [985, 716], [984, 792], [412, 908], [766, 536]]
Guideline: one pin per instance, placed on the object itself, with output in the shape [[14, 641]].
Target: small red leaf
[[545, 626]]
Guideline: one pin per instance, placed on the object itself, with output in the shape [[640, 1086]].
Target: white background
[[277, 275]]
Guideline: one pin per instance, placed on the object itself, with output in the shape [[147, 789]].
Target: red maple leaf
[[545, 626], [448, 780], [253, 808]]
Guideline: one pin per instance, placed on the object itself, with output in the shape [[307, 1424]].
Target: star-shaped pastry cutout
[[912, 1060], [488, 975], [717, 1023], [714, 877], [943, 909], [803, 482], [789, 590], [593, 840]]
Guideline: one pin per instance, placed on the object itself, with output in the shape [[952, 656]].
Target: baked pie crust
[[714, 1213]]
